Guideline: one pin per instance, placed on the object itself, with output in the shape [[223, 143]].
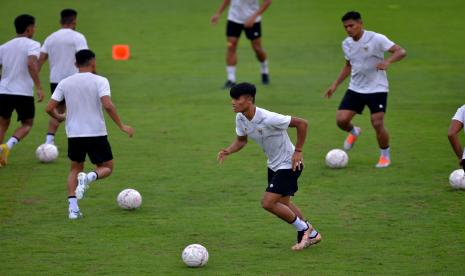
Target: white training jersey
[[269, 130], [363, 56], [14, 54], [61, 47], [241, 10], [460, 116], [82, 93]]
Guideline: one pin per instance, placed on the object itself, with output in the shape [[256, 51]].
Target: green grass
[[401, 220]]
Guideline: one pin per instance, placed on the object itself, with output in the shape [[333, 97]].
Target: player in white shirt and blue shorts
[[285, 161], [243, 15], [456, 125], [20, 72], [59, 49], [365, 63], [85, 94]]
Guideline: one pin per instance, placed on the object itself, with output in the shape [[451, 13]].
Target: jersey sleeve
[[239, 127], [278, 121], [58, 95], [384, 43], [81, 43], [1, 55], [34, 49], [103, 88], [460, 114], [345, 49]]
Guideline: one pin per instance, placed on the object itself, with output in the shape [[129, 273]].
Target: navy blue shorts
[[234, 29], [283, 182], [98, 149], [376, 102], [24, 106]]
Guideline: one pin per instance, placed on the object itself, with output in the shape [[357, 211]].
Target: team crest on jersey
[[260, 131], [365, 48]]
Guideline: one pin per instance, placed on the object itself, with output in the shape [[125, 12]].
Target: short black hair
[[67, 16], [83, 57], [352, 15], [23, 21], [243, 88]]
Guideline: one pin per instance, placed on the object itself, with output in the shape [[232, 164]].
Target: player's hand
[[222, 155], [297, 161], [40, 95], [128, 129], [330, 91], [383, 65], [215, 19], [61, 117], [250, 22]]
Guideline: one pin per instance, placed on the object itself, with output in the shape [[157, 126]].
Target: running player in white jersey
[[243, 15], [456, 125], [60, 48], [365, 62], [85, 94], [285, 162], [18, 58]]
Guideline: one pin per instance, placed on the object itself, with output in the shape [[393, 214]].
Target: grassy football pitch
[[401, 220]]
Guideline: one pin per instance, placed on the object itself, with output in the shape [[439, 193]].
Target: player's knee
[[267, 204], [342, 122], [377, 124], [232, 45]]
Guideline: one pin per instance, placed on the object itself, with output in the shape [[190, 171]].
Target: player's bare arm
[[51, 110], [301, 125], [454, 129], [42, 59], [263, 7], [397, 53], [345, 72], [218, 13], [34, 72], [236, 146], [111, 110]]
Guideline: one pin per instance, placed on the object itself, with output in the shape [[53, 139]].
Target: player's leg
[[254, 35], [73, 209], [53, 123], [233, 32], [100, 154], [377, 102], [351, 104], [382, 136]]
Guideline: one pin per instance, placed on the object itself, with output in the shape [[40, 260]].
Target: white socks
[[231, 70], [11, 142], [50, 139], [92, 176], [299, 224], [264, 67], [386, 153], [355, 131], [73, 205]]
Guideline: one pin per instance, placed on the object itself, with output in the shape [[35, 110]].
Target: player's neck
[[357, 38], [250, 113], [86, 69]]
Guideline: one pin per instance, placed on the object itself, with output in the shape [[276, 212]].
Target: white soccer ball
[[129, 199], [337, 158], [195, 255], [46, 153], [457, 179]]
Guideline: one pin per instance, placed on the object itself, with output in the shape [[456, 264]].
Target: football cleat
[[82, 185], [383, 162], [4, 152], [351, 139]]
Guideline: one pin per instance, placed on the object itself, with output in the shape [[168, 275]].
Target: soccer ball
[[195, 255], [337, 158], [457, 179], [129, 199], [46, 153]]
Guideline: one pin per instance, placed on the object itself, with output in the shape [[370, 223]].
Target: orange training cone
[[120, 52]]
